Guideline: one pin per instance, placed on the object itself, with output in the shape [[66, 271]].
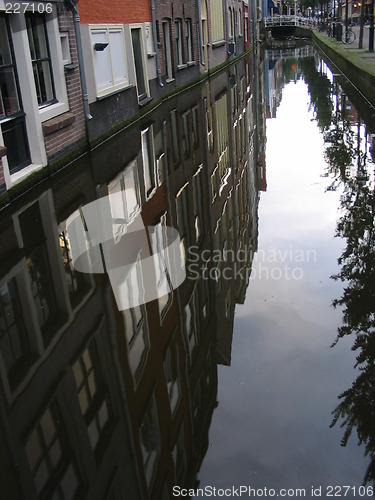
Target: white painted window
[[108, 47], [178, 33], [189, 40]]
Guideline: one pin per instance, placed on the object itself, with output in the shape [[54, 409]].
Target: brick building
[[41, 113]]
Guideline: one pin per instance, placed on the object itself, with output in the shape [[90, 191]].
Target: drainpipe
[[200, 32], [72, 5], [158, 70]]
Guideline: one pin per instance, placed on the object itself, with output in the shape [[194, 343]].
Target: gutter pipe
[[158, 70], [200, 32], [72, 5]]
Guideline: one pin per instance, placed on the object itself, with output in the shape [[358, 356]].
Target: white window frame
[[109, 27]]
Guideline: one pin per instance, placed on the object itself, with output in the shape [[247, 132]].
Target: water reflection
[[102, 403]]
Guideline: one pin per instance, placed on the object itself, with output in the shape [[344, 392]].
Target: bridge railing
[[276, 21]]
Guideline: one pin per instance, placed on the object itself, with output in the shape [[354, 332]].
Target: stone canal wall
[[355, 65]]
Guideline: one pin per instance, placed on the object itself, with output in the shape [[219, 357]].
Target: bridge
[[286, 26]]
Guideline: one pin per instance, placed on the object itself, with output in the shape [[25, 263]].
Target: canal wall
[[353, 64]]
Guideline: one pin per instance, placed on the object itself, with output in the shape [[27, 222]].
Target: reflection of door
[[204, 31], [139, 62], [167, 49], [12, 117]]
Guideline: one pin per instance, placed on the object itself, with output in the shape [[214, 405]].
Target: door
[[139, 63]]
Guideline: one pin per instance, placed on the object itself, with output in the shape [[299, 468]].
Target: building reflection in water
[[102, 403]]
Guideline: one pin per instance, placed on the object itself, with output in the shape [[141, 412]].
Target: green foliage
[[356, 409]]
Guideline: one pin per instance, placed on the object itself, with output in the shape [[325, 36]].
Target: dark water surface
[[121, 383]]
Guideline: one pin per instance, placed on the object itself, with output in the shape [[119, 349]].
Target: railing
[[277, 21]]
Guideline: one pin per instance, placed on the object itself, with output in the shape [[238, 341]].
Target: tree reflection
[[320, 90], [339, 140], [357, 404]]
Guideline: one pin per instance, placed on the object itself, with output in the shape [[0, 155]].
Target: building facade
[[41, 113]]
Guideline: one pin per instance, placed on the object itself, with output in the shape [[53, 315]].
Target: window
[[150, 440], [178, 33], [171, 374], [92, 394], [167, 49], [9, 99], [52, 467], [240, 23], [13, 128], [41, 59], [148, 157], [14, 346], [217, 20], [109, 59], [189, 40]]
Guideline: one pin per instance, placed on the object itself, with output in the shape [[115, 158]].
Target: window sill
[[181, 66], [112, 90], [191, 63], [22, 174], [169, 80], [218, 43], [53, 110], [150, 55]]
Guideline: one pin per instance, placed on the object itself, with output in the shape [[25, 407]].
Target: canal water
[[178, 309]]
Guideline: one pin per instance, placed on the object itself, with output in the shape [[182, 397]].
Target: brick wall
[[114, 11], [58, 142], [172, 10]]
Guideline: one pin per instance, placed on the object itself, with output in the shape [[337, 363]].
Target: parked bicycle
[[348, 36]]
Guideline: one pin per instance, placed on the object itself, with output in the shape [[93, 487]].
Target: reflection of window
[[185, 135], [178, 32], [174, 129], [150, 440], [190, 325], [54, 473], [136, 327], [195, 127], [14, 345], [182, 212], [37, 261], [197, 203], [189, 40], [124, 199], [42, 288], [179, 457], [41, 58], [92, 396], [159, 245], [148, 157], [171, 374], [74, 279], [110, 62]]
